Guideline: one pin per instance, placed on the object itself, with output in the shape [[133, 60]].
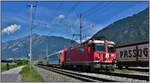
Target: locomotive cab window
[[111, 48], [99, 48]]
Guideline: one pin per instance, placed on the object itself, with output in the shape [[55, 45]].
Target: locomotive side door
[[90, 52]]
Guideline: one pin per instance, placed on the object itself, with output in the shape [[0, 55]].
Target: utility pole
[[30, 31], [47, 50], [80, 34], [80, 28]]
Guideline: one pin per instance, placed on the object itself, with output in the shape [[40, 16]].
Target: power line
[[57, 12], [104, 9], [73, 9], [88, 14], [54, 18], [81, 24], [90, 8]]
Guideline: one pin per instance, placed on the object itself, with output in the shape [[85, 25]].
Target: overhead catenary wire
[[83, 24], [58, 8], [95, 9], [57, 12], [73, 8], [119, 12], [91, 8], [88, 14]]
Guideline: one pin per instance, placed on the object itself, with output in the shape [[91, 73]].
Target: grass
[[5, 68], [123, 71], [30, 75]]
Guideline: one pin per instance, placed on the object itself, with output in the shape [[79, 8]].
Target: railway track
[[90, 77], [140, 77], [81, 77], [139, 69]]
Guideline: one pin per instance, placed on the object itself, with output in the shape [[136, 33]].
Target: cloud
[[11, 29], [61, 16]]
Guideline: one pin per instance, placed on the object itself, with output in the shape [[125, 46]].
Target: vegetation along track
[[90, 77]]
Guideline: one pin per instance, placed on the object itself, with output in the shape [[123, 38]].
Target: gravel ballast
[[50, 76]]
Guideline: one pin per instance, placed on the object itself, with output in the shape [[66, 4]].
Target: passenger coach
[[56, 59]]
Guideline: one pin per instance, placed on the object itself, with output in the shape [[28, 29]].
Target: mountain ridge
[[20, 47], [131, 29]]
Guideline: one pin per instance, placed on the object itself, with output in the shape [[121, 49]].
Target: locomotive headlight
[[107, 55], [112, 55]]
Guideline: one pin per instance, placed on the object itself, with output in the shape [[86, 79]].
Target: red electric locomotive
[[93, 55]]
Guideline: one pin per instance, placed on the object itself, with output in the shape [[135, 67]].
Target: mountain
[[128, 30], [20, 48]]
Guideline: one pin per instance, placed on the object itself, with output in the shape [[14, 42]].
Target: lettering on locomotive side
[[133, 52]]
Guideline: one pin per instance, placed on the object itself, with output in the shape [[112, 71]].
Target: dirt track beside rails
[[12, 75]]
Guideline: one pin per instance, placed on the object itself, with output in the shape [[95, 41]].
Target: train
[[133, 55], [93, 55]]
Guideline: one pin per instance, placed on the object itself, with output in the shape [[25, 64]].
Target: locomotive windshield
[[99, 47], [111, 48]]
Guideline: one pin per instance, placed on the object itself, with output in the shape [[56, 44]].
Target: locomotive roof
[[93, 41], [100, 41]]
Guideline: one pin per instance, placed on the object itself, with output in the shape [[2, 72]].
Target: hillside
[[128, 30], [20, 48]]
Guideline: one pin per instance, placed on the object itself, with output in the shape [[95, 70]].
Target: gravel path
[[11, 75], [50, 76]]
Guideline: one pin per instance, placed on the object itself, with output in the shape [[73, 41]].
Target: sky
[[62, 18]]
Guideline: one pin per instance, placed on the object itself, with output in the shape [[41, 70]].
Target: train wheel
[[126, 67], [120, 67], [71, 67], [92, 69], [88, 69], [112, 69], [84, 68], [78, 68], [68, 67]]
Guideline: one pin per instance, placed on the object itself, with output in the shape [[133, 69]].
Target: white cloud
[[11, 29], [61, 16]]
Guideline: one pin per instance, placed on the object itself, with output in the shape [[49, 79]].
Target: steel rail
[[140, 77]]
